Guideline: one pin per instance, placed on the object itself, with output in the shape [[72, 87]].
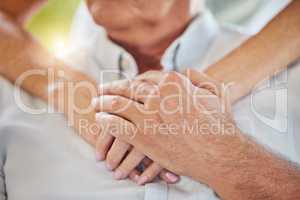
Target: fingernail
[[173, 178], [142, 180], [118, 175], [109, 167], [99, 156], [94, 102]]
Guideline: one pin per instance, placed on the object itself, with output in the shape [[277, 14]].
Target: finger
[[205, 102], [150, 174], [212, 87], [165, 175], [119, 127], [173, 91], [103, 144], [175, 77], [119, 86], [134, 175], [206, 96], [226, 100], [152, 103], [132, 160], [168, 177], [201, 80], [116, 153], [122, 107], [141, 90], [136, 90]]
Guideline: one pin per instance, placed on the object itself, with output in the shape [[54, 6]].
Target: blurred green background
[[51, 25]]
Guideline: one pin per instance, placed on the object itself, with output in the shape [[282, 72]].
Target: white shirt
[[41, 158]]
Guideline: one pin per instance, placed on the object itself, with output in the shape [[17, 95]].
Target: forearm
[[20, 10], [25, 62], [267, 53], [248, 171]]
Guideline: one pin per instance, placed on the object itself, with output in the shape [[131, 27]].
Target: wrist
[[219, 159], [247, 168]]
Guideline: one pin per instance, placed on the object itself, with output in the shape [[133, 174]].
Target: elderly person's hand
[[179, 125], [119, 155]]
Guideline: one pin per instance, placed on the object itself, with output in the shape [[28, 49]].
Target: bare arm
[[274, 48], [248, 171], [206, 146], [71, 94], [19, 10], [20, 53], [271, 51]]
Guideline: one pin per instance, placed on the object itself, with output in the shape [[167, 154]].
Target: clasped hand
[[164, 121]]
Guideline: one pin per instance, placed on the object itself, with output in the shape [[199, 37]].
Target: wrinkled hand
[[120, 156], [185, 128]]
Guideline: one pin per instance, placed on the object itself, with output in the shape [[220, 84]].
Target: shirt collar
[[190, 48]]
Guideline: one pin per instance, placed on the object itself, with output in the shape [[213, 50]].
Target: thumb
[[202, 80]]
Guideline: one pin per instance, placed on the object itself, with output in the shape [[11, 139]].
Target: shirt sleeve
[[250, 17], [6, 100]]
